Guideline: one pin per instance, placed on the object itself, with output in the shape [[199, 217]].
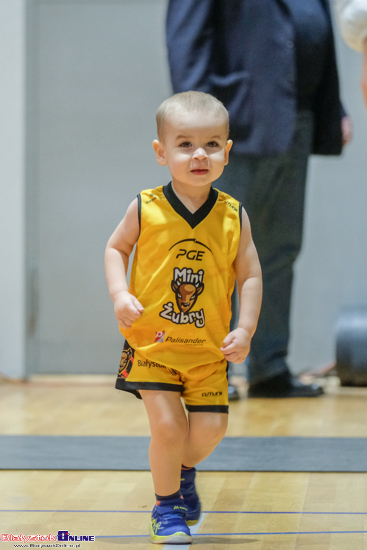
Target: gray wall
[[101, 74], [12, 188], [96, 74]]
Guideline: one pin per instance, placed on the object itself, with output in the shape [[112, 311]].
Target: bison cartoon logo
[[126, 362], [186, 294], [187, 287]]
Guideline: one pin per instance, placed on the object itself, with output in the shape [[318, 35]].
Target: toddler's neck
[[192, 197]]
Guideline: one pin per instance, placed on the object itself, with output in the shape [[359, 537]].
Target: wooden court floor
[[254, 511]]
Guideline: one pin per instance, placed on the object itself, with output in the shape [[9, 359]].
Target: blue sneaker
[[191, 498], [168, 524]]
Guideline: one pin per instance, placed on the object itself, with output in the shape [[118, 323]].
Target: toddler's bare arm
[[236, 345], [119, 247]]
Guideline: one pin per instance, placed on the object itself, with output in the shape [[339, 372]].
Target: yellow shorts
[[204, 389]]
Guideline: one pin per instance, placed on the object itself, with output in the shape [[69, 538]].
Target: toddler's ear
[[159, 152], [227, 150]]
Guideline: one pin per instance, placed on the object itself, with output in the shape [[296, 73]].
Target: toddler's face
[[195, 147]]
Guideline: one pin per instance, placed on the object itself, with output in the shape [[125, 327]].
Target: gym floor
[[253, 510]]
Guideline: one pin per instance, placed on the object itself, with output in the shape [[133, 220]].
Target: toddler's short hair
[[190, 101]]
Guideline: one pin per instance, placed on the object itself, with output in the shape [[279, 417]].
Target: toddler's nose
[[200, 153]]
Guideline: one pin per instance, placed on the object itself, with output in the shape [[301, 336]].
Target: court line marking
[[193, 530], [204, 512], [196, 527], [242, 534]]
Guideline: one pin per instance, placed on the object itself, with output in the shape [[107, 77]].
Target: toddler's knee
[[170, 431], [210, 434], [214, 437]]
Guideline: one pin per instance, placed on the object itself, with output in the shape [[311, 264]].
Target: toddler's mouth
[[200, 171]]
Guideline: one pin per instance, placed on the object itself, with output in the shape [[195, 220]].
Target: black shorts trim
[[134, 387], [208, 408]]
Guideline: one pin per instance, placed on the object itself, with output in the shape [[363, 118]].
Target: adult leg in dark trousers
[[272, 189]]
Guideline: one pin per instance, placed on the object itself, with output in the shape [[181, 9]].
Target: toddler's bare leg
[[206, 430], [169, 427]]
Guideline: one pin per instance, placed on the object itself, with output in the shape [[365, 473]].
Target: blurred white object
[[352, 16]]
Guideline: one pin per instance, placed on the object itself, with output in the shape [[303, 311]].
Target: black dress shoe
[[233, 394], [282, 386]]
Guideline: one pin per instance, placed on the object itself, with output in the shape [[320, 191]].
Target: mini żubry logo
[[159, 336], [187, 286]]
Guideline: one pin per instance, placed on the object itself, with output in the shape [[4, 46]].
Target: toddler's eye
[[185, 144], [213, 144]]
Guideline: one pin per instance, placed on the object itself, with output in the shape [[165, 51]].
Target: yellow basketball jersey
[[183, 274]]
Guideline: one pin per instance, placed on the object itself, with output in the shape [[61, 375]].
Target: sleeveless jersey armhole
[[139, 212], [240, 214]]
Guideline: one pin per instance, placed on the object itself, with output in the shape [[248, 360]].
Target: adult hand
[[347, 130]]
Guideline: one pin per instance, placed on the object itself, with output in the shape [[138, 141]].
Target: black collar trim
[[193, 219]]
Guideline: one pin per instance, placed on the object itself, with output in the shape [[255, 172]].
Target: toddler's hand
[[127, 309], [236, 345]]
